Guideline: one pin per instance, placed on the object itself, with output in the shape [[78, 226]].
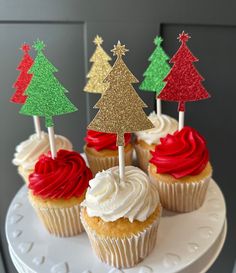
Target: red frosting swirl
[[100, 141], [181, 154], [66, 176]]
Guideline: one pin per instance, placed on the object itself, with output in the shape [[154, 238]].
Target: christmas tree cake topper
[[120, 107], [22, 83], [45, 95], [24, 78], [156, 72], [183, 83], [99, 69]]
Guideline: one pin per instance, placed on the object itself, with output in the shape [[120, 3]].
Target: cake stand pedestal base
[[186, 243]]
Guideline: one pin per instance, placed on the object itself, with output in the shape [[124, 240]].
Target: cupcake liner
[[99, 163], [24, 174], [123, 252], [62, 222], [143, 157], [182, 196]]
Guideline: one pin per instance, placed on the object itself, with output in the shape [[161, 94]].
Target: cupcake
[[28, 152], [101, 150], [56, 189], [181, 170], [148, 139], [121, 217]]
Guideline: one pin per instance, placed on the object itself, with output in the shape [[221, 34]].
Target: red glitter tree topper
[[183, 83], [24, 78]]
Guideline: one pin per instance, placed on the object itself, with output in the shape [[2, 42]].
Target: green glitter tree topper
[[46, 96], [157, 70]]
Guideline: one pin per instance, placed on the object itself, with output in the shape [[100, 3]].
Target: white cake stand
[[187, 243]]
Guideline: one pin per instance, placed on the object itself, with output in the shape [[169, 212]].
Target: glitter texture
[[46, 96], [24, 78], [157, 70], [99, 69], [120, 107], [183, 83]]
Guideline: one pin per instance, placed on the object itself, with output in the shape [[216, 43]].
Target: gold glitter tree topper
[[99, 70], [120, 107]]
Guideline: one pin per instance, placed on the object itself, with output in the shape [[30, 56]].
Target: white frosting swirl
[[111, 199], [163, 125], [28, 151]]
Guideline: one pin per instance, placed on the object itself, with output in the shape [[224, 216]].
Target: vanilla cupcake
[[28, 152], [148, 139], [101, 150], [121, 217], [56, 189], [181, 170]]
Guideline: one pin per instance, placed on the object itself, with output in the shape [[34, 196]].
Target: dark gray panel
[[204, 12], [65, 49], [214, 118]]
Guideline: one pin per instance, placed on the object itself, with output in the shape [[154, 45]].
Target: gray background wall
[[68, 28]]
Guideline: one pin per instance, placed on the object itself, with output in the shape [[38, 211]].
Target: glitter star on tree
[[119, 50], [98, 40]]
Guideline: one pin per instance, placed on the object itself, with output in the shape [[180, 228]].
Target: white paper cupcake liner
[[62, 222], [98, 164], [143, 157], [182, 196], [123, 252]]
